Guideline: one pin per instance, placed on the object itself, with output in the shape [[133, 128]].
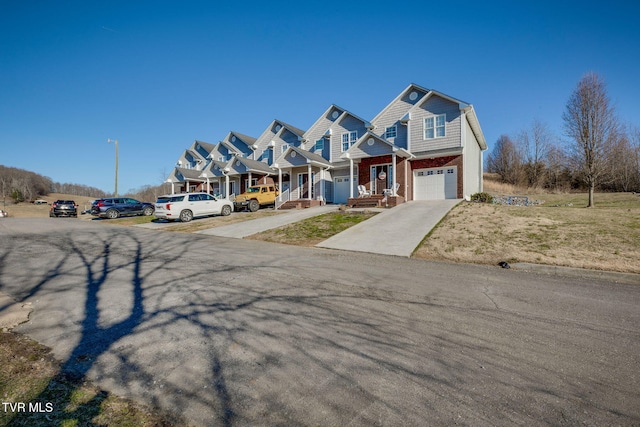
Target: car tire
[[112, 214], [226, 210], [186, 215], [148, 211], [254, 205]]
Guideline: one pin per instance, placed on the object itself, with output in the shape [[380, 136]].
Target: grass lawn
[[312, 231], [559, 232]]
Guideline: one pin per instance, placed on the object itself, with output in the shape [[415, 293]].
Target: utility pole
[[115, 193]]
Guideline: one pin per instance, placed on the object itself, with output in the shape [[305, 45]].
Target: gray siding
[[201, 150], [434, 106], [263, 142], [394, 113], [472, 163], [348, 124], [289, 161], [365, 150], [318, 129], [283, 138]]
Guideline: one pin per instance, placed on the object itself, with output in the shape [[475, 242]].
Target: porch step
[[376, 200], [300, 204]]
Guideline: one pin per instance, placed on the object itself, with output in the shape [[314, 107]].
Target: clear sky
[[157, 75]]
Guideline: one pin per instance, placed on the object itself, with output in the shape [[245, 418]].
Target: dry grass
[[559, 232], [30, 375], [29, 210]]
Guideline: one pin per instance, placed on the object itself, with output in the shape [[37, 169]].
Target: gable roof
[[312, 158], [292, 129], [208, 147], [246, 138], [474, 124], [214, 169], [356, 152], [346, 114], [465, 107], [400, 96], [183, 174], [254, 165]]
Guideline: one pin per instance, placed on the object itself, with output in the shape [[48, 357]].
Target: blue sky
[[158, 75]]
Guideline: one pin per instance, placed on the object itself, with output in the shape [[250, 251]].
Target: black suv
[[63, 208], [113, 207]]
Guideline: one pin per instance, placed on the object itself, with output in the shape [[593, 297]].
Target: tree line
[[600, 152], [22, 185]]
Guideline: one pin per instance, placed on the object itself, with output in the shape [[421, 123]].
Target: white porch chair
[[390, 192], [363, 192]]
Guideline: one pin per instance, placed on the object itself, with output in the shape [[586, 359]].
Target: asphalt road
[[232, 332]]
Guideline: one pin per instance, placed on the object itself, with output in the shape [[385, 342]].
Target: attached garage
[[435, 183], [341, 189]]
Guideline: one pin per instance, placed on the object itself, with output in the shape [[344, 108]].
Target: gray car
[[114, 207], [63, 208]]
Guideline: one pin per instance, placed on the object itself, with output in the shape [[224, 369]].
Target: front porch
[[375, 200]]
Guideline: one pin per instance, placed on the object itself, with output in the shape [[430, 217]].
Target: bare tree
[[591, 122], [505, 160], [535, 143], [623, 161]]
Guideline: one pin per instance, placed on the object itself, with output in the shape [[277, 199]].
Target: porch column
[[226, 186], [187, 187], [321, 185], [173, 187], [249, 184], [275, 206], [351, 178], [393, 165], [208, 186], [309, 180]]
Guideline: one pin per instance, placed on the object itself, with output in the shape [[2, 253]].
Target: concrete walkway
[[397, 231], [243, 229]]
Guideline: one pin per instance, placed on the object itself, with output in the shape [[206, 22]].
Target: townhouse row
[[422, 145]]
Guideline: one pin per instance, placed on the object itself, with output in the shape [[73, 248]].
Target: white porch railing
[[282, 198]]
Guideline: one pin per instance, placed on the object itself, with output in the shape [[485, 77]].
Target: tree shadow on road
[[209, 332]]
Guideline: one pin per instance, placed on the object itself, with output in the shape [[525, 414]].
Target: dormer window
[[319, 145]]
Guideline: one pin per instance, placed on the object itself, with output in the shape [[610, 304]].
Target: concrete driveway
[[231, 332], [397, 231]]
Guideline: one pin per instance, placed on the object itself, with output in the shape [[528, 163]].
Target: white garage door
[[341, 189], [435, 183]]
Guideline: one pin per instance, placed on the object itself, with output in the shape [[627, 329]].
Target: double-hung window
[[434, 126], [319, 144], [284, 147], [390, 132], [348, 139]]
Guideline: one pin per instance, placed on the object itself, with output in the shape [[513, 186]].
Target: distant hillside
[[23, 185]]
